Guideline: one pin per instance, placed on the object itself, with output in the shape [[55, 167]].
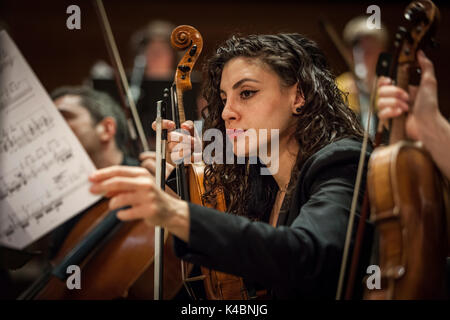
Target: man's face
[[371, 49], [80, 121], [160, 59]]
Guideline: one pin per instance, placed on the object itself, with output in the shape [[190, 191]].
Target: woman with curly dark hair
[[286, 232]]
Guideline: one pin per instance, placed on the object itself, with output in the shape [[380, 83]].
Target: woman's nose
[[228, 112]]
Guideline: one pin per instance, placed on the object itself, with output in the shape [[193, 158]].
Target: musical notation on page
[[43, 167]]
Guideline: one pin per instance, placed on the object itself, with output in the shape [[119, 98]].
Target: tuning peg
[[166, 93], [416, 13], [400, 35], [183, 68], [193, 50]]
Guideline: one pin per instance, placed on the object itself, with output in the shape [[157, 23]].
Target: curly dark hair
[[324, 118]]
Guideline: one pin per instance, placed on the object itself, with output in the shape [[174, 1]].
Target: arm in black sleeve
[[302, 259]]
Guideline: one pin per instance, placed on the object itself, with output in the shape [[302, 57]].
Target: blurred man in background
[[153, 43], [365, 45], [154, 57], [97, 121]]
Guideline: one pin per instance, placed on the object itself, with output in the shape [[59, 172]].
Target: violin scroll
[[186, 37], [180, 37], [421, 19]]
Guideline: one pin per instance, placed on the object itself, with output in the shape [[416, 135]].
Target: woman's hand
[[179, 141], [148, 161], [393, 101], [135, 187]]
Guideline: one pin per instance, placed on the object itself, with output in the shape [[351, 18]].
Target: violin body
[[218, 285], [407, 208]]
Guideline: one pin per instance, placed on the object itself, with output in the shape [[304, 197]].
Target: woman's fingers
[[148, 211], [426, 102], [121, 200], [122, 184], [147, 155], [428, 76], [148, 161], [130, 199], [189, 126], [389, 113], [390, 108], [384, 81], [389, 91], [166, 124], [170, 125], [113, 171], [150, 165], [393, 103], [180, 137], [133, 213], [391, 100], [180, 146], [111, 194]]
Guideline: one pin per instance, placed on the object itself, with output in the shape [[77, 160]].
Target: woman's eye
[[224, 101], [248, 93]]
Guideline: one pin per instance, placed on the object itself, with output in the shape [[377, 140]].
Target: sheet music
[[43, 167]]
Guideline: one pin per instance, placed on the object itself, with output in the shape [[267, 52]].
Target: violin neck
[[179, 118], [398, 126]]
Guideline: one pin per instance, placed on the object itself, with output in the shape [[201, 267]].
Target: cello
[[103, 247], [404, 188]]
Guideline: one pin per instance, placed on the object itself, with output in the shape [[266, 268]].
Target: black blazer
[[300, 258]]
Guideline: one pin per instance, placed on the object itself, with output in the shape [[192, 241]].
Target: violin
[[190, 178], [405, 195]]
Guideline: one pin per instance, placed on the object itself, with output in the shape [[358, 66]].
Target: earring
[[298, 110]]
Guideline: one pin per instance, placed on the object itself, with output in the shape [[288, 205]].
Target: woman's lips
[[234, 133]]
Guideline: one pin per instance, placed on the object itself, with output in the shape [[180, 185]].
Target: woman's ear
[[106, 129], [299, 101]]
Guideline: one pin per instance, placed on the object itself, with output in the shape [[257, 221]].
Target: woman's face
[[254, 99]]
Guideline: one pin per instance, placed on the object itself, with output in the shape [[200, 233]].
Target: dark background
[[60, 56]]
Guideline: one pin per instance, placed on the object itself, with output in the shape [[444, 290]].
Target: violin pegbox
[[186, 37], [421, 19]]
